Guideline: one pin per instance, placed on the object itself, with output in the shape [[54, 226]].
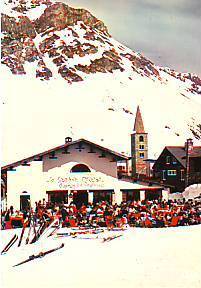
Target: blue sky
[[167, 32]]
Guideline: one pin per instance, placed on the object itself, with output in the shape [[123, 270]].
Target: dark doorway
[[131, 195], [59, 197], [153, 195], [99, 196], [79, 198], [24, 202]]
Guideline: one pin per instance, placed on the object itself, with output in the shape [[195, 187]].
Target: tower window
[[141, 138], [141, 147], [141, 155]]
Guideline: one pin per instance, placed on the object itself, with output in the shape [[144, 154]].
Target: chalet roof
[[180, 154], [25, 161], [138, 126]]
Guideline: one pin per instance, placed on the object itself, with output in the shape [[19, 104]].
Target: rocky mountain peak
[[72, 43], [59, 16], [47, 41]]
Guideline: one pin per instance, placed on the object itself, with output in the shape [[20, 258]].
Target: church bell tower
[[139, 147]]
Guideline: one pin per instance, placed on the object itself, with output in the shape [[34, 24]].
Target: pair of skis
[[54, 231], [40, 231], [10, 244], [40, 255], [110, 238]]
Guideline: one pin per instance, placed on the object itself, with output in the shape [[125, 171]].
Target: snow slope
[[140, 258], [72, 77]]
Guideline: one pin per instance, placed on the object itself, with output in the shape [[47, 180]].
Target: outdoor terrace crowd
[[156, 213]]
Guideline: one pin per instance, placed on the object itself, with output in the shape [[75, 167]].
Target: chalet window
[[141, 138], [164, 174], [171, 172], [174, 161], [168, 159], [141, 147], [182, 175], [141, 155]]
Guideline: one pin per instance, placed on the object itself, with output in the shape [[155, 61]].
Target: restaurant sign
[[76, 182]]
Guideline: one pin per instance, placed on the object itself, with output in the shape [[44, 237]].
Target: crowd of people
[[156, 213]]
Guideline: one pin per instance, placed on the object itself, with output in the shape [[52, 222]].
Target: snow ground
[[140, 258]]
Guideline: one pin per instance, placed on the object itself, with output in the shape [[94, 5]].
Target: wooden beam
[[40, 158], [102, 155], [65, 151], [91, 150], [80, 147], [11, 168], [52, 156], [25, 163]]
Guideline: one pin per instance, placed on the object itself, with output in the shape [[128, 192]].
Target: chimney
[[189, 145], [188, 149], [68, 139]]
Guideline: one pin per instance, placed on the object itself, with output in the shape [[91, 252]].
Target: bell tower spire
[[139, 147], [138, 125]]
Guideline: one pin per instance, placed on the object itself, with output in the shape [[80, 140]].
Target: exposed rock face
[[194, 80], [17, 28], [142, 63], [59, 16], [52, 35]]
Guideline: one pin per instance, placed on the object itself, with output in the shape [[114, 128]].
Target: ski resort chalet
[[79, 171]]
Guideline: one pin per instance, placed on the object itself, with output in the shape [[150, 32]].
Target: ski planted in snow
[[10, 244], [40, 255], [22, 233], [29, 232], [41, 229]]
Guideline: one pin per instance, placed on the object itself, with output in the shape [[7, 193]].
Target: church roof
[[50, 152], [138, 126]]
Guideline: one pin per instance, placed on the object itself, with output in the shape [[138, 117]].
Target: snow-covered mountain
[[63, 74]]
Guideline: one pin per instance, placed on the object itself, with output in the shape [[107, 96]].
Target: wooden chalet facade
[[179, 166]]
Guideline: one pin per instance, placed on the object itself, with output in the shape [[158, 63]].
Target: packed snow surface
[[167, 257]]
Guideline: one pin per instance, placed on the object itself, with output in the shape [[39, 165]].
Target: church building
[[139, 147]]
